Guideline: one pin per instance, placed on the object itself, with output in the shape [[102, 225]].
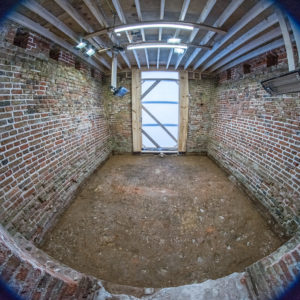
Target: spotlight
[[90, 52], [81, 45], [174, 40], [178, 50]]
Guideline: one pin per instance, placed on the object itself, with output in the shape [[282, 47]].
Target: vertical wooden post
[[183, 110], [136, 111]]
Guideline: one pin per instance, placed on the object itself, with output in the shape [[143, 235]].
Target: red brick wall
[[274, 274], [119, 113], [53, 131], [256, 137], [34, 275], [201, 92]]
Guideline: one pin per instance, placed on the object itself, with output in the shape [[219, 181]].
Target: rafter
[[183, 12], [257, 29], [276, 44], [26, 22], [70, 10], [287, 40], [94, 9], [230, 9], [139, 13], [267, 37], [122, 18], [161, 17], [46, 15], [256, 10], [204, 14]]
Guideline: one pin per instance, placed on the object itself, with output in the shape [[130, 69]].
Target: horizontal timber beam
[[256, 52]]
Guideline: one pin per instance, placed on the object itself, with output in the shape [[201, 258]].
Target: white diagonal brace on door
[[159, 123], [150, 138], [153, 85]]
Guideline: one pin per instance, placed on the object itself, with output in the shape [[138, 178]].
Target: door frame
[[136, 110]]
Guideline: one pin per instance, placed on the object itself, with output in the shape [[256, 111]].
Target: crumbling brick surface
[[53, 131], [32, 274], [256, 137]]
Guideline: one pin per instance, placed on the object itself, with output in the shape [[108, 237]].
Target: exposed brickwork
[[273, 274], [34, 275], [259, 65], [119, 111], [119, 114], [201, 92], [54, 133], [256, 137]]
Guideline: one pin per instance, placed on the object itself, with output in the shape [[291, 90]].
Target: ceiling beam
[[296, 33], [156, 23], [183, 12], [287, 40], [161, 17], [254, 31], [94, 9], [255, 11], [122, 18], [153, 44], [229, 10], [46, 15], [267, 37], [139, 12], [70, 10], [204, 14], [259, 51], [26, 22]]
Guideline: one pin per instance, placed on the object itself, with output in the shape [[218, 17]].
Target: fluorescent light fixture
[[81, 45], [174, 40], [156, 45], [283, 84], [153, 25], [178, 50], [90, 52]]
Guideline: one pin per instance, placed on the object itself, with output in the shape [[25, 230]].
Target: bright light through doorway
[[160, 110]]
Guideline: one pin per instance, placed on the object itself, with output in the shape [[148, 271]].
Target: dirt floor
[[157, 222]]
